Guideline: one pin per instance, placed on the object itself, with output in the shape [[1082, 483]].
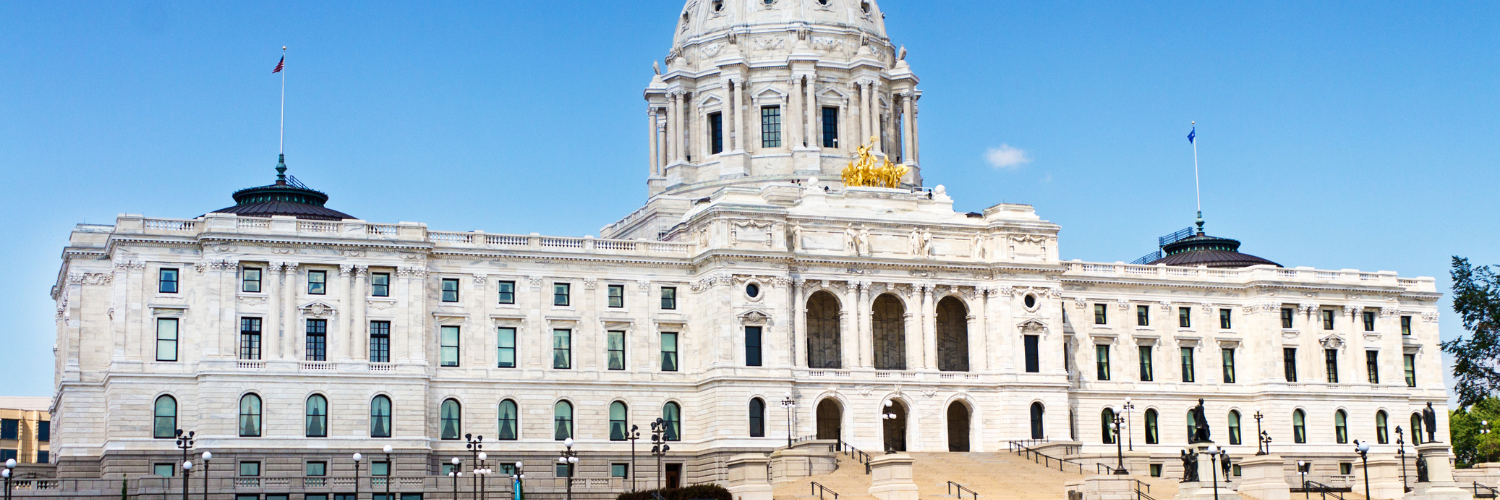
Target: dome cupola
[[285, 197]]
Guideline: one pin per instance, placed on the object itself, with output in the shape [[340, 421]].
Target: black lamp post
[[207, 455], [475, 444], [187, 471], [1302, 469], [1261, 439], [1401, 451], [569, 459], [788, 403], [634, 434], [1363, 447], [184, 443], [482, 472], [1130, 436], [357, 457], [390, 470], [1265, 440], [887, 415], [455, 474], [659, 446], [1213, 465], [516, 479], [9, 464], [1119, 448]]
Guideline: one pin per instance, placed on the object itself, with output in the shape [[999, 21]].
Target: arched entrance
[[830, 419], [952, 335], [888, 319], [958, 427], [823, 343], [893, 420]]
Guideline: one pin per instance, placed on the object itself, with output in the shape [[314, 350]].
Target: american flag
[[279, 65]]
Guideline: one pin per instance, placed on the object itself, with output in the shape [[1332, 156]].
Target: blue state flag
[[1192, 134]]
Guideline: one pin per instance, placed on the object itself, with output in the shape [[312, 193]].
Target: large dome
[[706, 19]]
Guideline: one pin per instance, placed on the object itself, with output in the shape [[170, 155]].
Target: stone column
[[358, 326], [865, 326], [272, 322], [916, 141], [978, 338], [814, 132], [653, 140], [679, 133], [849, 327], [794, 103], [731, 116], [929, 329], [286, 333], [339, 337], [799, 321], [906, 129], [864, 112]]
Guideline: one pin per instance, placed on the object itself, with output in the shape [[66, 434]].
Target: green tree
[[1476, 357], [1471, 447]]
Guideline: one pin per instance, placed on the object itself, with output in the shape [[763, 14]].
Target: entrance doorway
[[958, 427], [830, 419], [894, 424], [674, 475]]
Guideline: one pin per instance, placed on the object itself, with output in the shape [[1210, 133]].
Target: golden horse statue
[[865, 170]]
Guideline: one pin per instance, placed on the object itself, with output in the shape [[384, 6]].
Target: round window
[[718, 5], [1030, 301], [753, 290]]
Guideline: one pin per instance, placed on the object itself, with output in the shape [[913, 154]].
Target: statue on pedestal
[[1189, 467], [1429, 423], [1200, 424], [1421, 469]]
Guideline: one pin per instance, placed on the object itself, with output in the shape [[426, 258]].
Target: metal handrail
[[818, 489], [961, 490], [1043, 458], [1322, 489], [855, 453], [1493, 493], [1106, 469]]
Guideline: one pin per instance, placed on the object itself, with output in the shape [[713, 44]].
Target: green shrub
[[694, 492]]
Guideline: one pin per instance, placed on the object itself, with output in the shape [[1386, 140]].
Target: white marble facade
[[892, 261]]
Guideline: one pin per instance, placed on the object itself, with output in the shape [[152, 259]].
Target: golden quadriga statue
[[863, 170]]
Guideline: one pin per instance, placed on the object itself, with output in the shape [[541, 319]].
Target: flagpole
[[282, 146], [1197, 190]]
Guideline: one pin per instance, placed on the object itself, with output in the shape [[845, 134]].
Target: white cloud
[[1006, 156]]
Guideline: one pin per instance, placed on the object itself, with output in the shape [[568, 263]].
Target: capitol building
[[795, 272]]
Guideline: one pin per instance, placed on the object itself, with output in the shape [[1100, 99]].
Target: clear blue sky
[[1332, 134]]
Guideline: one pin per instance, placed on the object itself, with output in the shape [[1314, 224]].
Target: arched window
[[562, 419], [317, 416], [164, 425], [250, 416], [450, 419], [1192, 425], [953, 335], [1234, 427], [1416, 429], [1381, 436], [757, 418], [1152, 437], [508, 421], [617, 413], [1299, 427], [380, 417], [1107, 425], [888, 326], [823, 344], [1037, 411], [672, 414], [1341, 427]]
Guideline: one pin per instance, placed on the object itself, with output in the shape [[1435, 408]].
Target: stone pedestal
[[1439, 484], [891, 479], [1264, 477], [1204, 488], [747, 477], [1102, 487], [1385, 478]]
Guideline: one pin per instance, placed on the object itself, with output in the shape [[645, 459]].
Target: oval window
[[865, 6], [753, 290], [1030, 301], [718, 5]]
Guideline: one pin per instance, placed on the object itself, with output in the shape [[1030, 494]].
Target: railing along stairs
[[855, 453], [961, 489], [818, 489], [1321, 489], [1045, 460], [1482, 491]]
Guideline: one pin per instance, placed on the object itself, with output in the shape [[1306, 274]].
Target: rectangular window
[[668, 352], [167, 281], [1406, 325], [770, 127], [1289, 363], [446, 468], [317, 468], [1286, 317], [250, 280], [249, 338], [43, 433], [562, 349], [1369, 317], [1147, 374], [166, 339], [317, 340], [507, 292], [616, 350], [10, 428], [450, 290], [830, 127], [505, 347], [448, 346], [668, 298], [1411, 369], [617, 296], [1225, 322], [1101, 314], [619, 470], [716, 132], [560, 294], [317, 282], [1143, 315], [1155, 470], [164, 470], [563, 470], [380, 285], [42, 457], [1228, 354], [1033, 354], [380, 469], [250, 469], [1101, 362], [1327, 319], [380, 341], [1184, 317], [752, 346], [1188, 374], [1346, 468], [1372, 366], [1331, 359]]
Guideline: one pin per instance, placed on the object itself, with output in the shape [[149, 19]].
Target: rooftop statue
[[868, 171]]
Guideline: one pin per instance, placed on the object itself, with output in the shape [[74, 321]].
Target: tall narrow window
[[1410, 360], [1188, 373], [1416, 429], [560, 294], [672, 414], [1192, 425], [1152, 418], [1038, 431], [668, 298], [164, 418], [668, 352], [1143, 315], [1369, 317], [1101, 362], [1289, 363], [317, 339], [562, 349], [1381, 435], [1228, 361], [1147, 374], [1299, 427], [166, 339], [1234, 427], [1107, 425], [1184, 317], [1331, 360], [380, 284], [1101, 314], [617, 412], [1372, 366], [617, 296], [1287, 314], [250, 280], [1406, 325], [757, 417], [380, 341], [508, 423], [752, 346], [317, 416], [1033, 353], [616, 350], [450, 290], [250, 338], [770, 127], [562, 420], [1327, 319], [448, 346], [317, 282], [507, 292], [380, 417], [450, 419], [166, 280], [1341, 427], [250, 415], [716, 132], [830, 127], [1225, 320], [505, 347]]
